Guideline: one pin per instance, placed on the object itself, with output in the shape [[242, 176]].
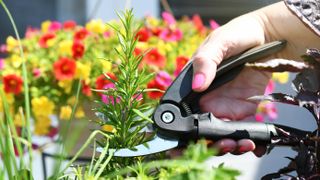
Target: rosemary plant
[[125, 112]]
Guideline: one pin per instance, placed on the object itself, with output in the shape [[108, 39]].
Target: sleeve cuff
[[308, 11]]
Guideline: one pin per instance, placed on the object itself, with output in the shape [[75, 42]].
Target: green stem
[[25, 83], [65, 131], [85, 145]]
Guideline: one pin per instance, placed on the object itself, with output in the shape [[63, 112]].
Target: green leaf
[[139, 113]]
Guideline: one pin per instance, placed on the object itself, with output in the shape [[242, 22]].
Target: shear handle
[[210, 127]]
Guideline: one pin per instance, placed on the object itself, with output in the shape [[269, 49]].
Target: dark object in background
[[220, 10], [33, 12]]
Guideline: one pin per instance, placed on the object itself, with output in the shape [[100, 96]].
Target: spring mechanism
[[186, 108]]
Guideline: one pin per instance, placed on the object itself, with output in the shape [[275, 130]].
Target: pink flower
[[213, 24], [259, 118], [270, 87], [107, 98], [55, 26], [171, 35], [168, 18], [36, 72], [271, 111], [266, 110], [31, 32], [107, 34], [163, 79], [3, 48]]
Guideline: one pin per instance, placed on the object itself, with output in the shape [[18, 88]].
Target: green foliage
[[124, 112], [190, 166]]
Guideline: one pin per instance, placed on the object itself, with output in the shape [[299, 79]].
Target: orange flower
[[64, 69], [45, 38], [77, 49], [12, 84], [154, 57]]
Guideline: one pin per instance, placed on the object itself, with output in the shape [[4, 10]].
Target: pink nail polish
[[198, 81]]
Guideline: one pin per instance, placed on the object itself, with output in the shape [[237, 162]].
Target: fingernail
[[227, 149], [198, 81], [243, 150]]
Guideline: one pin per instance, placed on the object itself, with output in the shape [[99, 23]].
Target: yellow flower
[[11, 43], [16, 60], [42, 125], [161, 47], [152, 21], [65, 47], [66, 85], [96, 26], [72, 100], [108, 128], [65, 112], [79, 113], [282, 77], [107, 65], [42, 106], [83, 70], [51, 42], [9, 98], [45, 26], [18, 120], [142, 45]]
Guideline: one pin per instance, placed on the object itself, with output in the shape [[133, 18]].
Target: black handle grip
[[210, 127]]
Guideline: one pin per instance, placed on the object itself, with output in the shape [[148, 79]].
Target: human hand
[[271, 23]]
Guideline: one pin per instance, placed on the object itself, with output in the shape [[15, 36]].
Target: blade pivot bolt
[[167, 117]]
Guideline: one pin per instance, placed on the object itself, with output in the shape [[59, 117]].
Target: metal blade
[[157, 144]]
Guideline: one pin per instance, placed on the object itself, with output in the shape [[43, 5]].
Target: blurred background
[[33, 12]]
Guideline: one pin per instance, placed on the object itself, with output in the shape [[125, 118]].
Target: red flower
[[81, 34], [154, 57], [137, 51], [44, 39], [64, 69], [102, 80], [155, 85], [70, 24], [196, 19], [86, 89], [77, 49], [181, 61], [12, 84], [143, 35], [156, 31]]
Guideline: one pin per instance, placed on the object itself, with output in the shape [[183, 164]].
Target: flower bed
[[60, 55]]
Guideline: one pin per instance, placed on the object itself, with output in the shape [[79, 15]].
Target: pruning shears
[[178, 119]]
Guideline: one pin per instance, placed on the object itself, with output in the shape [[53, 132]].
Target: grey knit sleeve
[[308, 11]]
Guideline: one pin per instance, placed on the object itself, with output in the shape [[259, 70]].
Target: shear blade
[[156, 145]]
